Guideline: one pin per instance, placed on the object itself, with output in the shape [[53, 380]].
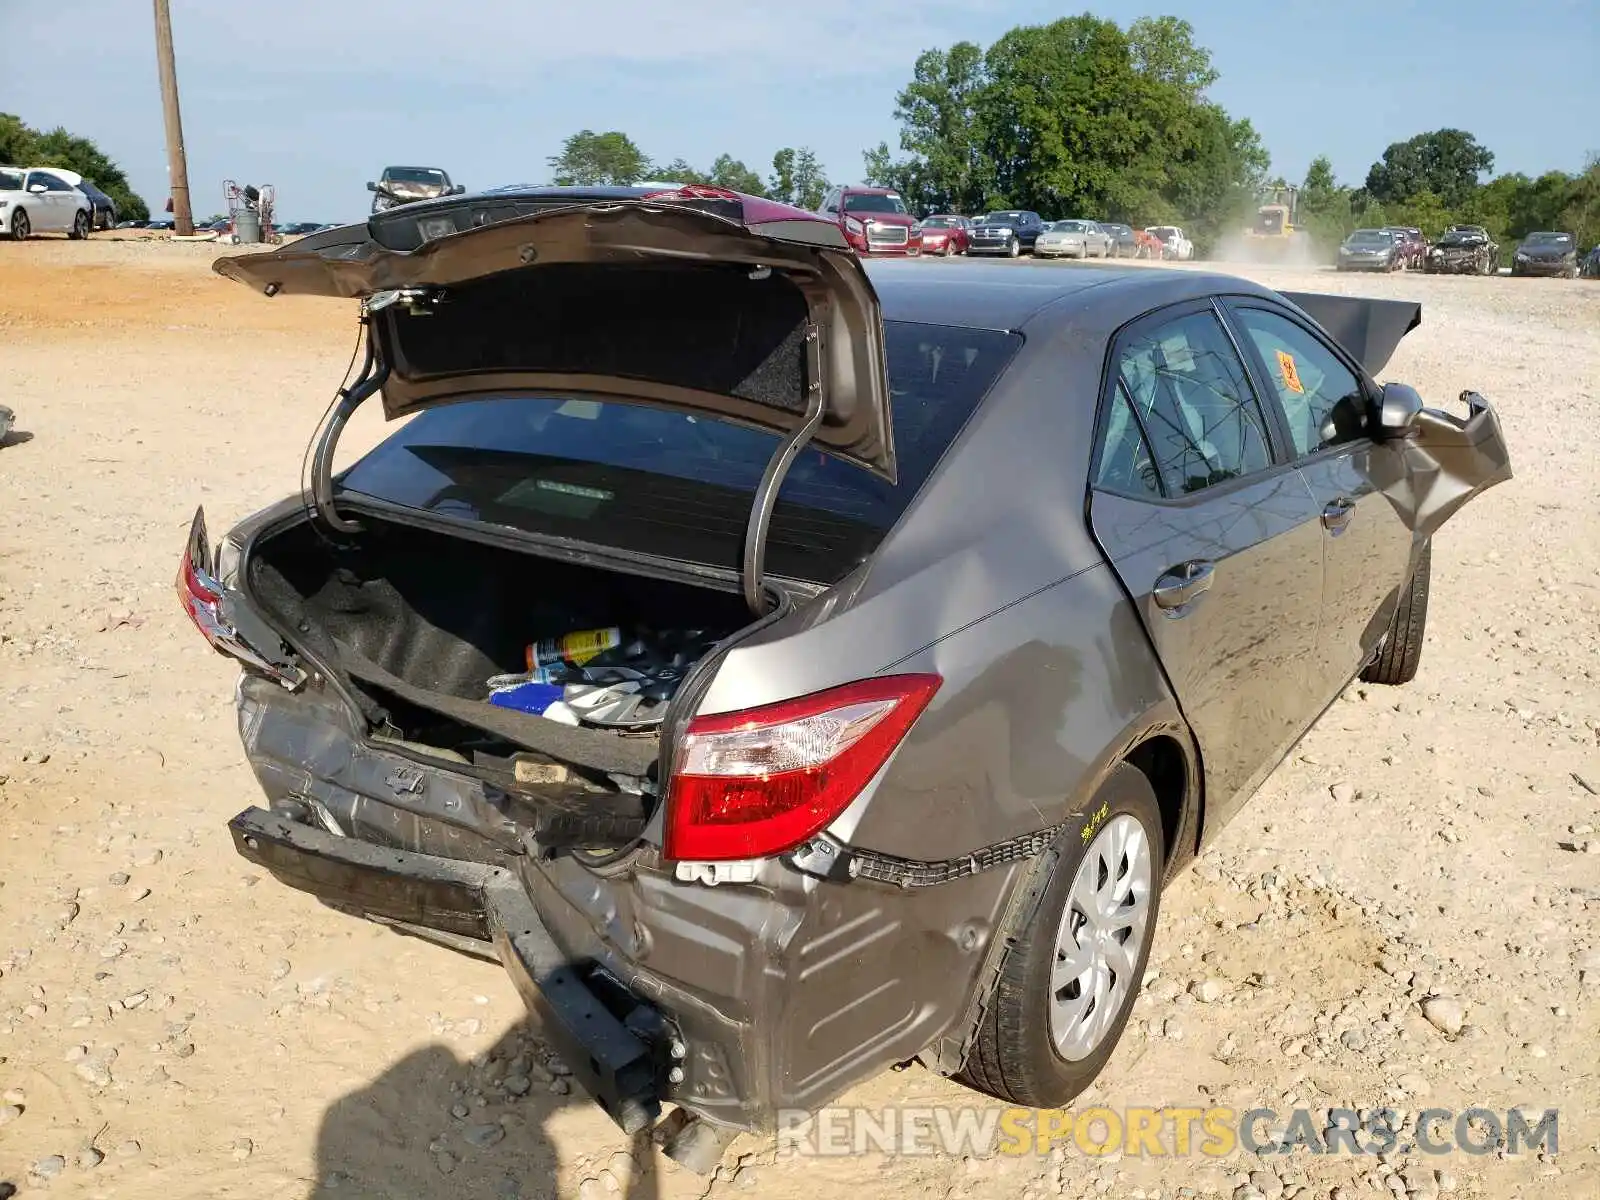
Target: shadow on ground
[[401, 1136]]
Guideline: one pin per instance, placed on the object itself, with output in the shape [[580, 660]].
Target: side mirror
[[1398, 409], [459, 189], [37, 189], [371, 187]]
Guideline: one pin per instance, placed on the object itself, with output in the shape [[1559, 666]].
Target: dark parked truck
[[1463, 250], [405, 185], [1546, 254], [890, 762]]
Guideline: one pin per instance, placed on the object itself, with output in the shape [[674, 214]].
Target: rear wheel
[[21, 227], [1069, 981], [80, 226], [1402, 645]]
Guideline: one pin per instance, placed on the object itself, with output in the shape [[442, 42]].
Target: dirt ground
[[173, 1024]]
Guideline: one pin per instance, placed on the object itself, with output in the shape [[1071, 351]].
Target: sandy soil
[[172, 1024]]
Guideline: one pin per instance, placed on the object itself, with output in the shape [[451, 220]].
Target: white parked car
[[40, 201], [1172, 238]]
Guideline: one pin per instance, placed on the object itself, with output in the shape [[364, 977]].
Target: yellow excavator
[[1274, 236]]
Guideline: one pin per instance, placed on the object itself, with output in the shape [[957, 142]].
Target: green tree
[[728, 172], [907, 176], [1490, 205], [25, 147], [589, 158], [1540, 203], [1582, 214], [940, 127], [1324, 205], [1425, 211], [678, 171], [1075, 117], [797, 178], [1164, 53], [1446, 162], [16, 141]]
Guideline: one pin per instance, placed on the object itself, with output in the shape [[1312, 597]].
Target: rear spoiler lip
[[1368, 329]]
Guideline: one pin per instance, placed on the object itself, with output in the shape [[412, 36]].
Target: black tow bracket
[[625, 1062]]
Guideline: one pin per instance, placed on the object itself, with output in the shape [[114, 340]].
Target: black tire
[[1013, 1057], [1402, 645], [21, 227], [80, 226], [1014, 249]]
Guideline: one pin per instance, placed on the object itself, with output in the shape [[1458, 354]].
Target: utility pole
[[177, 164]]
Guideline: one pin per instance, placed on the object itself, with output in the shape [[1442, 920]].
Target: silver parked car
[[1097, 243], [793, 665], [1057, 241]]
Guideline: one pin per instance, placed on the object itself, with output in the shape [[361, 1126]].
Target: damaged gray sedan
[[790, 666]]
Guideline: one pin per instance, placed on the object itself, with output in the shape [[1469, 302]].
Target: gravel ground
[[1405, 915]]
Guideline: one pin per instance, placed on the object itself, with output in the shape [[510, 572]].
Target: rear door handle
[[1183, 584], [1336, 515]]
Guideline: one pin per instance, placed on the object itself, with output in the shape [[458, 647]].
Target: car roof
[[1004, 296]]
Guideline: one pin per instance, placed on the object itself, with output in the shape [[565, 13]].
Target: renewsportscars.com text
[[1164, 1132]]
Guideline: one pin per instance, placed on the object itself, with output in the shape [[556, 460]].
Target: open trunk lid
[[696, 299]]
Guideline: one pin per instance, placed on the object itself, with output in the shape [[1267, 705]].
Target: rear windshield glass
[[678, 485]]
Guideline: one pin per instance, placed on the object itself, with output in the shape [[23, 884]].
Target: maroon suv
[[874, 220]]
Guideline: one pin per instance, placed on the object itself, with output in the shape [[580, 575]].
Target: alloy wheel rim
[[1101, 937]]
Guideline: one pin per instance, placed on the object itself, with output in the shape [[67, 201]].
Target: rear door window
[[677, 485], [1322, 399], [1193, 396]]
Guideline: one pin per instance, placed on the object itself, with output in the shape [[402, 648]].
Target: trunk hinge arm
[[752, 571], [370, 378]]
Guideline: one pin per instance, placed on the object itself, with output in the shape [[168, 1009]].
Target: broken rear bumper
[[620, 1049]]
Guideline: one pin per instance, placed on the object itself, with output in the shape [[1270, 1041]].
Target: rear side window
[[1196, 403], [678, 485], [1125, 464], [1321, 397]]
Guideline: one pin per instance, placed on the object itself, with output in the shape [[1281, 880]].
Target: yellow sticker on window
[[1291, 376]]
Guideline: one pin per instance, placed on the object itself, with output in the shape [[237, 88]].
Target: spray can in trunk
[[573, 649]]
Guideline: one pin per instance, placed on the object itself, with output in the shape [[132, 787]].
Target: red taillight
[[199, 594], [202, 598], [756, 783]]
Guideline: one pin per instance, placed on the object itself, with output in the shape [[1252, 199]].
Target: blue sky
[[315, 97]]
